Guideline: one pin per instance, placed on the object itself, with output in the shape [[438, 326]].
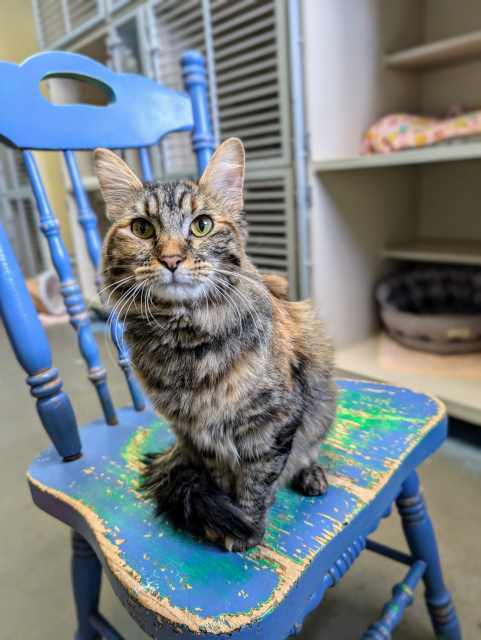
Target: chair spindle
[[32, 349], [146, 165], [195, 82], [88, 221], [74, 302], [85, 215]]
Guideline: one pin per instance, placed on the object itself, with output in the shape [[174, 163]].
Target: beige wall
[[18, 40]]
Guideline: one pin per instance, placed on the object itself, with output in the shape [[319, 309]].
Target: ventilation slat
[[247, 70], [260, 105], [271, 196], [172, 8], [255, 250], [264, 142], [252, 132], [184, 22], [250, 44], [236, 87], [261, 25], [272, 241], [221, 10], [259, 53], [240, 18], [271, 218], [266, 229], [254, 119], [264, 206], [268, 261], [248, 96]]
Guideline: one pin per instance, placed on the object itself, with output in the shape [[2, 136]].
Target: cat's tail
[[192, 500]]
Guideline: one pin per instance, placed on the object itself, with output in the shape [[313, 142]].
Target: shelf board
[[434, 250], [456, 379], [436, 153], [435, 54]]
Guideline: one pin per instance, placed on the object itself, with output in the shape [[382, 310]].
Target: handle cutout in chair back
[[75, 89], [139, 112]]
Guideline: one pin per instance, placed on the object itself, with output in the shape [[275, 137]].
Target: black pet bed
[[435, 309]]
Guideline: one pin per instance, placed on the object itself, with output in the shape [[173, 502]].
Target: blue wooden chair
[[172, 584]]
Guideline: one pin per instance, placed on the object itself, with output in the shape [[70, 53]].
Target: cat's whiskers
[[247, 304], [127, 306], [150, 316], [253, 280], [119, 284], [113, 315], [228, 300]]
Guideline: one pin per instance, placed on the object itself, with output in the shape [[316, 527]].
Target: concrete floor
[[35, 599]]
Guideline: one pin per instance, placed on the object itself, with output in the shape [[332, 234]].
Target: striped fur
[[243, 375]]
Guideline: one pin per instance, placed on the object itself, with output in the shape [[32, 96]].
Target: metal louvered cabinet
[[58, 20], [180, 26], [271, 242], [246, 47], [18, 214]]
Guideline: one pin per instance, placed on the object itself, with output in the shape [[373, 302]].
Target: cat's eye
[[201, 226], [142, 228]]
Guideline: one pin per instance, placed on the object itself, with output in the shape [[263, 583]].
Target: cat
[[243, 375]]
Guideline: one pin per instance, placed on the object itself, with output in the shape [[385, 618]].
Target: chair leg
[[421, 539], [86, 577]]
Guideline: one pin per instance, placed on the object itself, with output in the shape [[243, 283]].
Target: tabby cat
[[243, 375]]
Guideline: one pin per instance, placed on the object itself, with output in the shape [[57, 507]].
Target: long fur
[[243, 374], [192, 501]]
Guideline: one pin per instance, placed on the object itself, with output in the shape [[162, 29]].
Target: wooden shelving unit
[[456, 379], [435, 54], [434, 250], [365, 217], [446, 152]]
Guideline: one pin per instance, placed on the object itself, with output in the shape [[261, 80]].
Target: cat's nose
[[171, 262]]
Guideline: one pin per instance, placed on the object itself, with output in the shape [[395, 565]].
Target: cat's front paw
[[236, 544], [311, 481]]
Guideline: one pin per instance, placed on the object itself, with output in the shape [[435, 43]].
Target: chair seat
[[172, 582]]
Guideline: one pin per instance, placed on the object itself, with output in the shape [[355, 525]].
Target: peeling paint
[[190, 583]]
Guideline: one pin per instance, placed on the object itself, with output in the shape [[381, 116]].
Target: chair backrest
[[139, 113]]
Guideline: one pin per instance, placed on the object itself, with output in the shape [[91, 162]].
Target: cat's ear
[[224, 175], [118, 183]]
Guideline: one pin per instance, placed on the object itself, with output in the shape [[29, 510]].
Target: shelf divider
[[434, 54], [446, 152], [436, 250]]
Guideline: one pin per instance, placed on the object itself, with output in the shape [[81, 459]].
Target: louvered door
[[58, 20], [18, 215], [249, 47], [179, 27]]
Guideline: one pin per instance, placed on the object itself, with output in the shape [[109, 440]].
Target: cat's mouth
[[178, 285]]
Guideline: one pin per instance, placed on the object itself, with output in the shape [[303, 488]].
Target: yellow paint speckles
[[364, 494], [88, 470], [288, 569], [131, 452]]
